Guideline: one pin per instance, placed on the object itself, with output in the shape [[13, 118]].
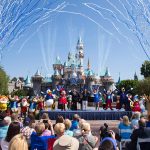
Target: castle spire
[[135, 76], [88, 65]]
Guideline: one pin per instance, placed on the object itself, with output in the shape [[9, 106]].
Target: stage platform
[[89, 114]]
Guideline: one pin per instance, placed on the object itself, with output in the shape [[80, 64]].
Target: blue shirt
[[39, 142], [126, 131], [75, 124], [3, 131]]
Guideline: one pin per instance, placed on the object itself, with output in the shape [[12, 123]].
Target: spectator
[[14, 129], [67, 123], [3, 129], [75, 122], [64, 142], [141, 132], [148, 122], [109, 143], [60, 119], [87, 141], [38, 141], [48, 128], [45, 116], [135, 119], [125, 127], [18, 142]]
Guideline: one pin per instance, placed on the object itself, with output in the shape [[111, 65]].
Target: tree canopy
[[145, 69], [3, 81]]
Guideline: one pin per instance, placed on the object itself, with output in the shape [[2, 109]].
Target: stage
[[89, 114]]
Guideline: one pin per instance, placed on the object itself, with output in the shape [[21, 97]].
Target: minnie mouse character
[[63, 99]]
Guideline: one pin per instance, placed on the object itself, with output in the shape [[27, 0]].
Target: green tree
[[20, 92], [3, 81], [143, 86], [127, 84], [145, 69]]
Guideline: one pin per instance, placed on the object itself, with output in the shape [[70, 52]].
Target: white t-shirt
[[4, 144]]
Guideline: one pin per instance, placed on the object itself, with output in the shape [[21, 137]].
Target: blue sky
[[107, 42]]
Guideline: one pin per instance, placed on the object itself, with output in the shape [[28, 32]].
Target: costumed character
[[33, 104], [97, 98], [49, 99], [118, 102], [14, 103], [40, 103], [69, 100], [75, 99], [85, 97], [24, 106], [104, 101], [109, 99], [124, 98], [63, 99], [141, 102], [3, 103], [136, 105]]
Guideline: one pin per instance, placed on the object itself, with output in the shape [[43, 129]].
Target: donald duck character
[[3, 103], [49, 99], [14, 103]]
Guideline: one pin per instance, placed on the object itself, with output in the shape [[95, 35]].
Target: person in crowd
[[18, 142], [148, 122], [109, 143], [147, 99], [38, 141], [126, 127], [67, 124], [87, 141], [84, 99], [135, 119], [64, 142], [14, 129], [75, 99], [48, 128], [75, 122], [27, 130], [15, 118], [59, 119], [141, 132], [4, 128]]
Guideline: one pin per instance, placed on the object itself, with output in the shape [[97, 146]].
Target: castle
[[70, 74]]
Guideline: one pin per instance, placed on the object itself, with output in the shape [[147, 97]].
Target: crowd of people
[[76, 134], [70, 100]]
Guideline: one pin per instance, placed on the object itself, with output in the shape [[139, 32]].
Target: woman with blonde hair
[[18, 142], [125, 128]]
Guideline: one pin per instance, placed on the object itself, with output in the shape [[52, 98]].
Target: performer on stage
[[69, 99], [104, 101], [109, 99], [124, 98], [141, 102], [75, 99], [147, 99], [136, 105], [24, 106], [40, 103], [14, 103], [63, 99], [85, 96], [97, 98], [117, 102], [33, 104], [49, 99], [3, 103]]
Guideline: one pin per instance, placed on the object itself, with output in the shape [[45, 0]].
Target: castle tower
[[135, 76], [58, 65], [80, 52], [56, 78], [37, 81], [107, 81]]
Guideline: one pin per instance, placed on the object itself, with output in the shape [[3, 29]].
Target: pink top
[[46, 133]]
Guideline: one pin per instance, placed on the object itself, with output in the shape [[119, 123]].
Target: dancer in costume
[[97, 98], [141, 102], [104, 101], [40, 103], [14, 103], [3, 103], [136, 104], [124, 98], [49, 99], [85, 97], [63, 99], [117, 102], [24, 106], [109, 99], [33, 104], [147, 99], [69, 99]]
